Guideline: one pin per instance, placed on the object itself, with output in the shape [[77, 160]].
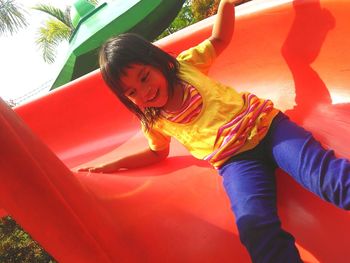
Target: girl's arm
[[224, 25], [140, 159]]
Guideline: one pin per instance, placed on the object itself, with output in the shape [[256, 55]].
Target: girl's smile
[[145, 86]]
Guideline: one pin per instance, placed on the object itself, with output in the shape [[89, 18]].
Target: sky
[[22, 69]]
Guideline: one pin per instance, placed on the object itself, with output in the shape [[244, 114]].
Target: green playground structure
[[94, 25]]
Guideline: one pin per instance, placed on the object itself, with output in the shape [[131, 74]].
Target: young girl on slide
[[241, 135]]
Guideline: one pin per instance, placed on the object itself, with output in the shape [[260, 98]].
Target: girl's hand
[[136, 160], [106, 168]]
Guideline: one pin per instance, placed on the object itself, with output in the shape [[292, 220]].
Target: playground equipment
[[94, 25], [294, 52]]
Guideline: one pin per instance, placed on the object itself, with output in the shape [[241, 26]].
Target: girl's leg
[[250, 185], [300, 155]]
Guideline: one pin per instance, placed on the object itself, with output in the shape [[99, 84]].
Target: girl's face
[[145, 86]]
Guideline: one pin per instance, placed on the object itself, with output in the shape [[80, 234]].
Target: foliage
[[182, 20], [192, 12], [11, 17], [94, 2], [57, 28], [17, 246], [204, 8], [60, 15]]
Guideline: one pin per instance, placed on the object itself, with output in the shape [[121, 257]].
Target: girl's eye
[[145, 77], [130, 93]]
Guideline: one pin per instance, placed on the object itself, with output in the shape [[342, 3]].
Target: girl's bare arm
[[224, 25], [139, 159]]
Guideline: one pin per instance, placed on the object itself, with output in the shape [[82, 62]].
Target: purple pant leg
[[296, 152], [250, 184]]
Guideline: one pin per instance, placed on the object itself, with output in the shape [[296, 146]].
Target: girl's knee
[[335, 181]]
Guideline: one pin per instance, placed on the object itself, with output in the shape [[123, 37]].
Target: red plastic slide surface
[[295, 53]]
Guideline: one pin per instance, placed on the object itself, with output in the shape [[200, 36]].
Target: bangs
[[120, 53]]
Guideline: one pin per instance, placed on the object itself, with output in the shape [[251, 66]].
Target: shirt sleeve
[[200, 56], [157, 140]]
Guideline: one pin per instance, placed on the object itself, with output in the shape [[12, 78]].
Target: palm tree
[[56, 29], [11, 17]]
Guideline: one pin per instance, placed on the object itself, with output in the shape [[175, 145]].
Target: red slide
[[294, 52]]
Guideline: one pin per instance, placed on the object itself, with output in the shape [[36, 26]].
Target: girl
[[241, 135]]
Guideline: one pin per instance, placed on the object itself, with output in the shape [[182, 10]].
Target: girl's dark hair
[[119, 53]]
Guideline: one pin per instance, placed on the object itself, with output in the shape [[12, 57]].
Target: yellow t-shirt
[[229, 122]]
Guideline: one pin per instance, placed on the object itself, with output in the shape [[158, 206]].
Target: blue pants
[[250, 184]]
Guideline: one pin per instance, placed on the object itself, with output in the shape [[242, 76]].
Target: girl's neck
[[175, 100]]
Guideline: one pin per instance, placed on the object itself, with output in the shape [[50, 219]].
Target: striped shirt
[[232, 135], [191, 106], [215, 121]]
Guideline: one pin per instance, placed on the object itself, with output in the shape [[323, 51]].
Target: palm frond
[[11, 17], [50, 35], [94, 2], [68, 17], [59, 14]]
